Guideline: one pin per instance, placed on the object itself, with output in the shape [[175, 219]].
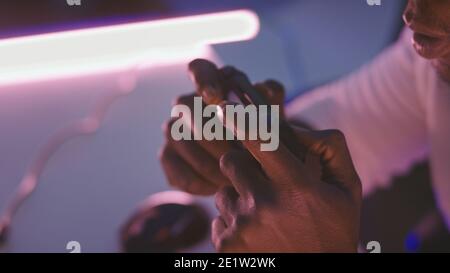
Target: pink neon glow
[[87, 125], [115, 47], [106, 49]]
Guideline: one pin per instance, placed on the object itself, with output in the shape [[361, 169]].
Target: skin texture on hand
[[193, 165], [279, 202], [287, 200]]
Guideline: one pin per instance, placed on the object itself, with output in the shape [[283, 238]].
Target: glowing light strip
[[106, 48]]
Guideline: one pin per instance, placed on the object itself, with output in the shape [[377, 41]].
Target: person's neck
[[443, 69]]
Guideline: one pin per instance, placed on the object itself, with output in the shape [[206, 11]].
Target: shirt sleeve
[[380, 111]]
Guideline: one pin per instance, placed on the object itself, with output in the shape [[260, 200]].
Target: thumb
[[331, 147], [277, 163]]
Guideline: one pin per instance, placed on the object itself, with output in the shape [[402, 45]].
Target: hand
[[283, 202], [193, 166]]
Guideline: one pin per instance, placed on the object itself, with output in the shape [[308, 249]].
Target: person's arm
[[380, 111]]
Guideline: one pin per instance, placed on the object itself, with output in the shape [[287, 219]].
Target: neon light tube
[[113, 47]]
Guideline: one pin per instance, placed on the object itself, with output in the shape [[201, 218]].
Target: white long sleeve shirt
[[394, 112]]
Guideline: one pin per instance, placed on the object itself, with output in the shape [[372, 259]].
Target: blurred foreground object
[[166, 222]]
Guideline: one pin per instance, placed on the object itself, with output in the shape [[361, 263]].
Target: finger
[[218, 227], [277, 163], [216, 148], [207, 79], [273, 92], [225, 238], [278, 93], [274, 95], [218, 233], [196, 157], [226, 203], [181, 175], [247, 178], [331, 147], [238, 81]]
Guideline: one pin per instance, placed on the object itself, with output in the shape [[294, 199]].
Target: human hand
[[193, 165], [281, 201]]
